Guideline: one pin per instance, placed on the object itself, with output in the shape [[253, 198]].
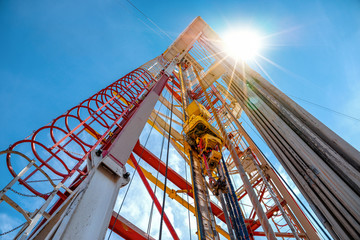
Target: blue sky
[[53, 54]]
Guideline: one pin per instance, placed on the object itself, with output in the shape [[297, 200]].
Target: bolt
[[98, 153], [126, 175]]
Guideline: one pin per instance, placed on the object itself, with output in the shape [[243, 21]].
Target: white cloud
[[8, 223]]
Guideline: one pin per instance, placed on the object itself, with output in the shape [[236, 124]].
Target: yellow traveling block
[[214, 159], [198, 109], [210, 141], [197, 126], [197, 129]]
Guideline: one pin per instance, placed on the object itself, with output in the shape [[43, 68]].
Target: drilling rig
[[73, 169]]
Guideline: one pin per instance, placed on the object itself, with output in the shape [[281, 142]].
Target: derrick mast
[[79, 162]]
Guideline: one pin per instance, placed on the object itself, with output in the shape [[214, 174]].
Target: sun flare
[[243, 45]]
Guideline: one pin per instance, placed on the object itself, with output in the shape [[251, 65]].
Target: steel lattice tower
[[78, 163]]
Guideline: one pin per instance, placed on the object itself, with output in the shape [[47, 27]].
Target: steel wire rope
[[287, 185], [44, 180], [30, 195], [134, 173], [155, 187], [323, 107], [34, 195], [150, 20], [10, 231], [167, 162], [187, 196], [185, 162], [326, 108]]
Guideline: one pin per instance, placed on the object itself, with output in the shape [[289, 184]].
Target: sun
[[243, 44]]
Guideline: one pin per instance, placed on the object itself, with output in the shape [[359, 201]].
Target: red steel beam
[[154, 198], [177, 96], [126, 229], [177, 84], [173, 176], [215, 100]]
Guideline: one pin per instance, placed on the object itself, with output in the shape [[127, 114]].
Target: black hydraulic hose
[[236, 203], [226, 215], [232, 216]]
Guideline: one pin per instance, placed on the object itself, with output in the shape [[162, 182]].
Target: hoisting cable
[[134, 172], [187, 195], [167, 162], [155, 187], [326, 108], [184, 101], [150, 20]]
